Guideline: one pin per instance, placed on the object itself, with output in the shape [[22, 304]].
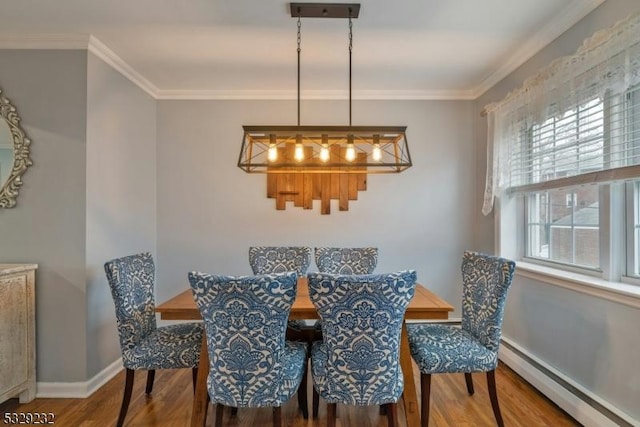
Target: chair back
[[362, 318], [279, 259], [346, 260], [245, 319], [486, 280], [131, 280]]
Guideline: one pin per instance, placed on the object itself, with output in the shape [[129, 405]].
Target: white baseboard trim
[[580, 408], [80, 389]]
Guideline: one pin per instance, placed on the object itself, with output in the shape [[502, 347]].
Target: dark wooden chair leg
[[219, 410], [392, 414], [331, 415], [303, 402], [194, 378], [151, 374], [493, 395], [316, 403], [277, 416], [234, 411], [383, 409], [126, 397], [469, 380], [425, 387]]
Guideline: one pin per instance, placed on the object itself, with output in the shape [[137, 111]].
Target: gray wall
[[210, 211], [89, 197], [592, 341], [49, 90], [121, 194]]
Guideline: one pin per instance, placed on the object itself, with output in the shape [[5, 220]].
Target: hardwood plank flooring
[[170, 405]]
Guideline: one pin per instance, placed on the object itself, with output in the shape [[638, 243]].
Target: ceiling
[[217, 49]]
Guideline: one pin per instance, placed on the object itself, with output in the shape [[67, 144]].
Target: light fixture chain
[[350, 50], [299, 40]]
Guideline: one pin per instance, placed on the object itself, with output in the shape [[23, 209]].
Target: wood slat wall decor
[[303, 188]]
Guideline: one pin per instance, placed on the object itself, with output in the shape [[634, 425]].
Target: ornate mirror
[[14, 153]]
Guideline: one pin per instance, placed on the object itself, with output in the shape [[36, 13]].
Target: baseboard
[[585, 407], [81, 389]]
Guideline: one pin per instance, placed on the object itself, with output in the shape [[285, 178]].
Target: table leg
[[409, 395], [200, 401]]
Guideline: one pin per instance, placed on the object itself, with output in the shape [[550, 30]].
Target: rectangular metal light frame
[[392, 141]]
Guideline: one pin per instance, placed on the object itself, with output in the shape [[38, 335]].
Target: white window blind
[[599, 141], [573, 122]]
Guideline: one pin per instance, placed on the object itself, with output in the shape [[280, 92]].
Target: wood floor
[[170, 405]]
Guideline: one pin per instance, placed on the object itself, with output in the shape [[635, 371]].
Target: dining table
[[424, 305]]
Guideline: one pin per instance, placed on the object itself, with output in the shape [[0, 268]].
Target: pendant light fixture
[[324, 149], [302, 162]]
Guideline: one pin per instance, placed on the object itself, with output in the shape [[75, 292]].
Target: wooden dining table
[[424, 305]]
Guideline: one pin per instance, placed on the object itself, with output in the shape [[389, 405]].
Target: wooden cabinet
[[17, 332]]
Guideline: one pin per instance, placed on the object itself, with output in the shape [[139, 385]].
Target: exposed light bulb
[[324, 153], [376, 154], [272, 154], [350, 155], [324, 150], [298, 154]]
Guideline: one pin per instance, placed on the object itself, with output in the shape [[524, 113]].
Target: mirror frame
[[21, 150]]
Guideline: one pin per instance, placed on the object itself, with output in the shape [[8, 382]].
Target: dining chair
[[280, 259], [357, 362], [472, 348], [250, 362], [145, 346], [343, 261], [346, 260]]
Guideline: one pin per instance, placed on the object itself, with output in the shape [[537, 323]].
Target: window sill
[[622, 293]]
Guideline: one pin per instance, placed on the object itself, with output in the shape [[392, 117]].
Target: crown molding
[[573, 13], [50, 41], [101, 50], [417, 95], [78, 42]]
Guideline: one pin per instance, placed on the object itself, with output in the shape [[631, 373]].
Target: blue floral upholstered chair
[[346, 260], [474, 347], [357, 363], [143, 344], [250, 363], [280, 259]]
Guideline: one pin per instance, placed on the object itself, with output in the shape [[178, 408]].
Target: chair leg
[[126, 397], [302, 395], [383, 409], [234, 411], [392, 414], [151, 374], [219, 409], [425, 387], [316, 403], [194, 378], [469, 380], [493, 395], [277, 418], [331, 415]]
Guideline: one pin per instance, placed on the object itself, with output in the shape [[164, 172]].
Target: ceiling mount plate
[[324, 10]]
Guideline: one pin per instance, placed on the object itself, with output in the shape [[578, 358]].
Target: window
[[633, 246], [563, 225], [563, 158], [561, 219]]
